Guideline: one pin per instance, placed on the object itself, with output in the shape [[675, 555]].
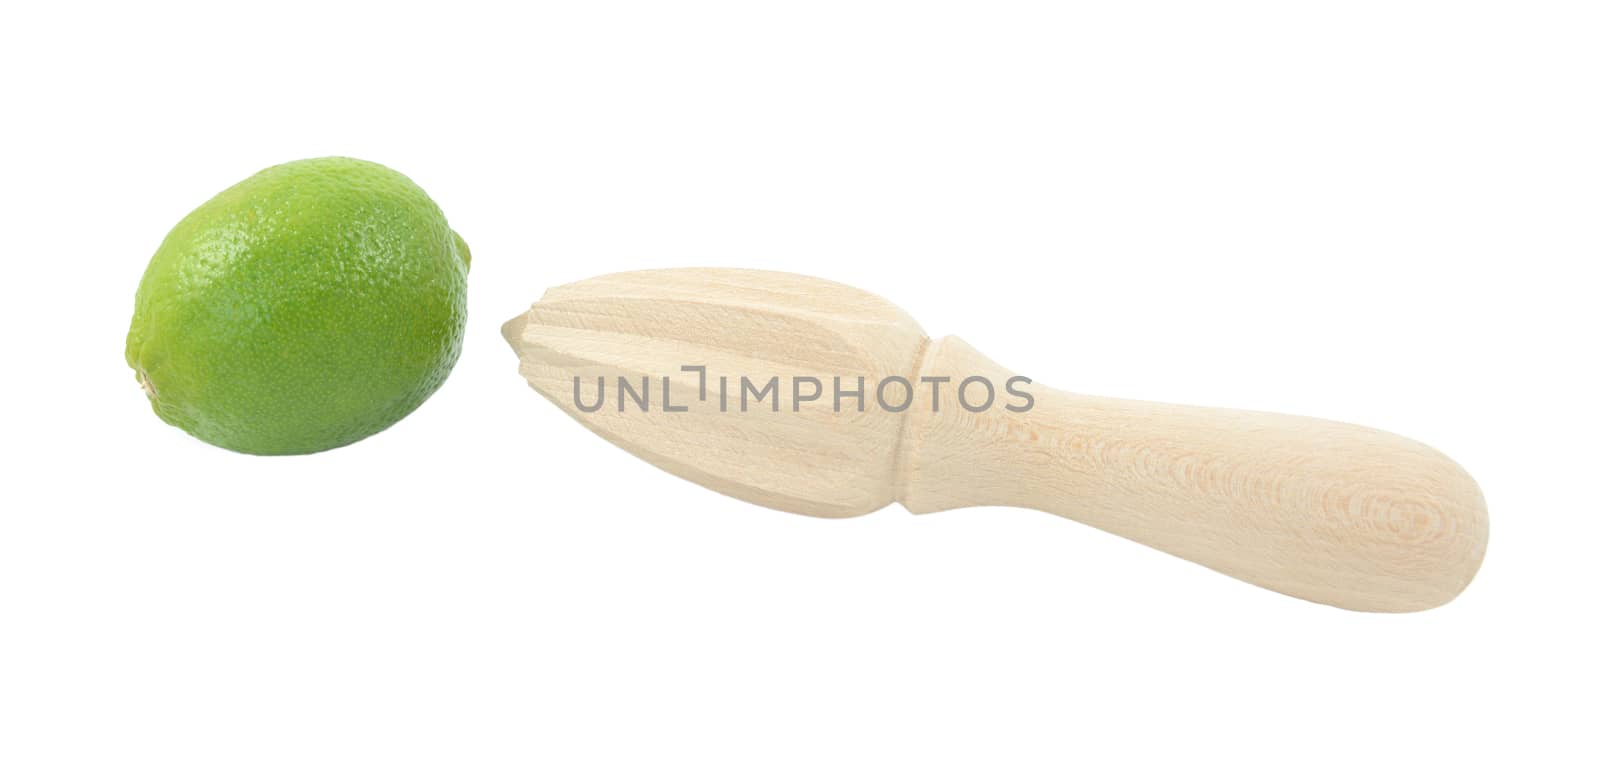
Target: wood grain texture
[[736, 323], [1330, 512]]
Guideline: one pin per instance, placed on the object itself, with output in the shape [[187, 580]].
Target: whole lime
[[307, 307]]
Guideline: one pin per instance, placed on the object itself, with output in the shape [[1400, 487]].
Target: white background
[[1380, 212]]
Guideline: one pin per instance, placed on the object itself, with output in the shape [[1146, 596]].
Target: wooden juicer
[[1326, 511]]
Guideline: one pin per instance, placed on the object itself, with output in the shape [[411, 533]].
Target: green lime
[[307, 307]]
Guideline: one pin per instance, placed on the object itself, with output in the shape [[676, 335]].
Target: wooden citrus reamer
[[1326, 511]]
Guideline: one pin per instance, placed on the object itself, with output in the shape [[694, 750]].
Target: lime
[[306, 307]]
